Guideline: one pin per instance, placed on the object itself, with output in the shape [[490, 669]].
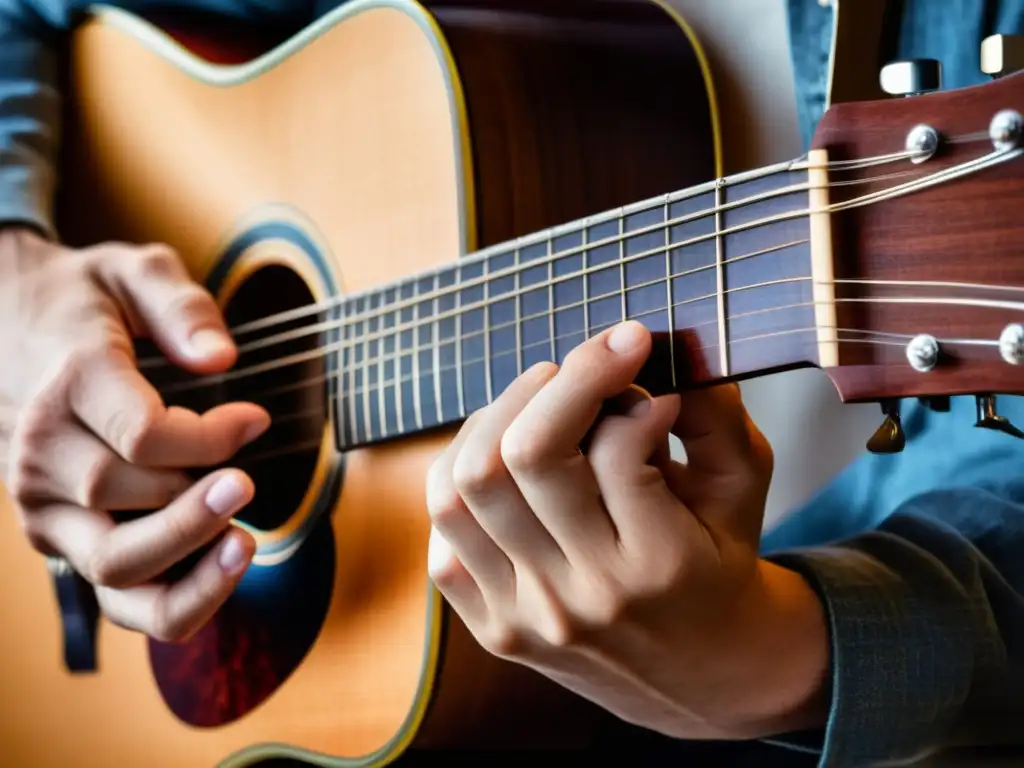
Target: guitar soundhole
[[281, 367], [258, 638]]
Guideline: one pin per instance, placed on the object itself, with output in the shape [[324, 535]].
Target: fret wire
[[551, 301], [587, 270], [340, 414], [417, 401], [458, 344], [777, 334], [668, 290], [350, 370], [382, 416], [586, 284], [366, 380], [723, 351], [435, 339], [622, 264], [357, 391], [651, 312], [399, 411], [301, 357], [487, 334], [519, 311]]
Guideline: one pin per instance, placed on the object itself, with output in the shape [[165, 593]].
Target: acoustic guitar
[[404, 206]]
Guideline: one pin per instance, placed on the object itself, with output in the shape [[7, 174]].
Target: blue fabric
[[914, 556]]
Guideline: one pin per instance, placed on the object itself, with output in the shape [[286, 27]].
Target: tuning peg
[[911, 77], [989, 419], [1002, 54], [889, 437], [937, 404]]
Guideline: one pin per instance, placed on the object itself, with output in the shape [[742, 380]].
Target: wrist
[[783, 657]]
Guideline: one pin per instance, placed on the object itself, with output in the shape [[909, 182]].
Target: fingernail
[[253, 431], [232, 555], [209, 343], [625, 337], [226, 495]]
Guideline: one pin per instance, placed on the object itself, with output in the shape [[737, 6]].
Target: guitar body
[[386, 139]]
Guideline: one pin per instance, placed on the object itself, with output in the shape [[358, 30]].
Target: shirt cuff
[[901, 653], [25, 198]]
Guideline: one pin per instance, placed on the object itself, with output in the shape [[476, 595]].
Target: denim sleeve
[[926, 621], [31, 34]]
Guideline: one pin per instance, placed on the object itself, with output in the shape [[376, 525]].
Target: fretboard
[[721, 275]]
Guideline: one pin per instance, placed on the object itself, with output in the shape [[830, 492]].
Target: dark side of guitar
[[567, 109]]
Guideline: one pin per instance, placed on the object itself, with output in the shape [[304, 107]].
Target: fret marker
[[822, 272]]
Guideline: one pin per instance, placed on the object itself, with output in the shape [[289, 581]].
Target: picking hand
[[84, 435], [625, 576]]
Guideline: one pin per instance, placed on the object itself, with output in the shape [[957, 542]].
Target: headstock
[[929, 255]]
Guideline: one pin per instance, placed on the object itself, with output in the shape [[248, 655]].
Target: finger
[[624, 455], [540, 448], [454, 580], [73, 466], [485, 483], [175, 612], [458, 531], [113, 399], [135, 552], [717, 433], [557, 419], [179, 314]]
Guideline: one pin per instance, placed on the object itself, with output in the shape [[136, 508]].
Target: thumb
[[179, 315]]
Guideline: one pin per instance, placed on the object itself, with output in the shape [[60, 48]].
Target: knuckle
[[523, 451], [476, 473], [91, 485], [560, 631], [105, 569], [445, 505], [193, 302], [501, 640], [27, 476], [129, 430], [157, 262], [165, 625], [34, 533], [183, 526]]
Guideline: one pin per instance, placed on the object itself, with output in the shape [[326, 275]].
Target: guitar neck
[[721, 274]]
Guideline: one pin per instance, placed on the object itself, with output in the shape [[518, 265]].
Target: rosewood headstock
[[929, 278]]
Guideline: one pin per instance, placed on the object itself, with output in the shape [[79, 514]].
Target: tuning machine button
[[989, 419], [911, 77], [889, 437], [1002, 54]]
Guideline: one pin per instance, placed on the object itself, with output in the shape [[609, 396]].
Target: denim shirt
[[916, 557]]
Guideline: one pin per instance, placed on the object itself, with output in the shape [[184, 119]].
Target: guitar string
[[322, 307], [396, 356], [322, 412], [599, 327], [391, 311], [506, 248], [351, 344]]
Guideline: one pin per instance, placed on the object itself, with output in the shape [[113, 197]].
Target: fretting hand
[[84, 436], [621, 574]]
